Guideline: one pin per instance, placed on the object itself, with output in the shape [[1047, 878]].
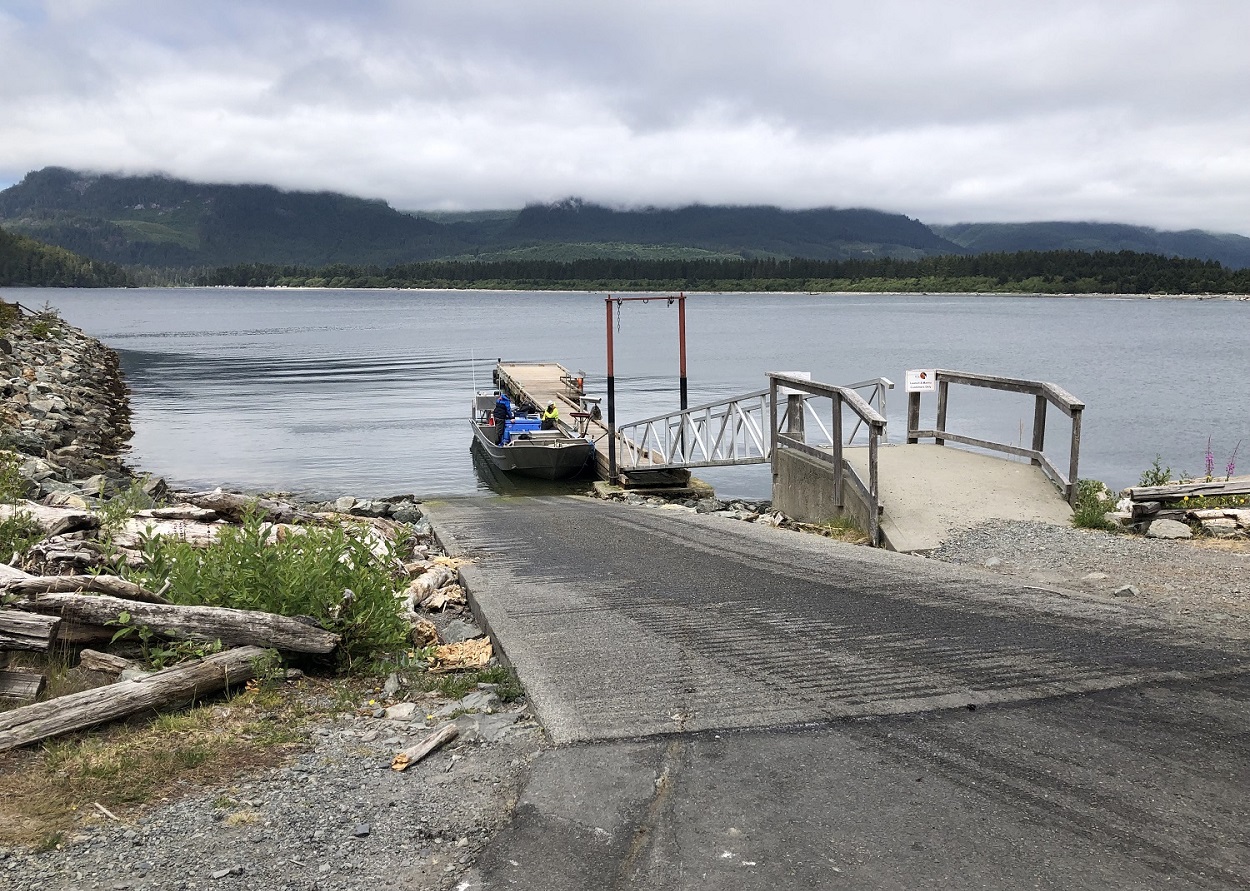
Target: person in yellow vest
[[550, 416]]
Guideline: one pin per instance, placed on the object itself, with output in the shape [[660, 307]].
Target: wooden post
[[874, 509], [913, 417], [795, 421], [1039, 427], [1074, 461], [943, 393], [836, 433]]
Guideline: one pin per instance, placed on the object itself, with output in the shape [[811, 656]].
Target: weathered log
[[105, 663], [24, 631], [65, 714], [1145, 508], [427, 583], [199, 535], [410, 756], [236, 507], [62, 518], [1177, 491], [9, 574], [73, 584], [180, 512], [21, 685], [233, 627]]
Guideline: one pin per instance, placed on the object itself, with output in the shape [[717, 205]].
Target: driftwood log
[[60, 519], [21, 685], [410, 756], [74, 584], [179, 512], [10, 574], [233, 627], [1177, 491], [25, 631], [236, 507], [173, 686], [105, 663]]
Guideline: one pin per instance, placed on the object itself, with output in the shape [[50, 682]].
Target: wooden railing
[[844, 474], [1044, 394]]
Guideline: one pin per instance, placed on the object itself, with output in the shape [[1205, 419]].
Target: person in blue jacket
[[502, 414]]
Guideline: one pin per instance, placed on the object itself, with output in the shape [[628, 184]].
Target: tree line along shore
[[29, 263]]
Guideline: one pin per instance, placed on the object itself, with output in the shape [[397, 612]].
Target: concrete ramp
[[931, 492]]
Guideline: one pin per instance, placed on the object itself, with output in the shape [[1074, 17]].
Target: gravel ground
[[1202, 580], [335, 817]]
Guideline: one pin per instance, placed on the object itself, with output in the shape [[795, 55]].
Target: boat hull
[[547, 459]]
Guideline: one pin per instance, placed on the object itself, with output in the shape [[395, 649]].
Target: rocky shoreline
[[65, 410]]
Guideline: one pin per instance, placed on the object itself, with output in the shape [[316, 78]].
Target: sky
[[1130, 111]]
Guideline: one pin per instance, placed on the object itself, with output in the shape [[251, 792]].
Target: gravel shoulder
[[334, 817], [1201, 581]]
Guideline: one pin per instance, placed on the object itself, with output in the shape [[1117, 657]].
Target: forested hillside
[[26, 262], [156, 221], [1054, 272], [1231, 250], [170, 231], [164, 222]]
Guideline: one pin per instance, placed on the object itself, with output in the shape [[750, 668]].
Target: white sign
[[783, 392], [923, 380]]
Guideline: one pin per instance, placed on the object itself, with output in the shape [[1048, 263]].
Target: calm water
[[366, 392]]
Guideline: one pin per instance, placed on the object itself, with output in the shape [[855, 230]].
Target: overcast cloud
[[946, 110]]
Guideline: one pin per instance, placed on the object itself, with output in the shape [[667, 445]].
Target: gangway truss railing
[[739, 430]]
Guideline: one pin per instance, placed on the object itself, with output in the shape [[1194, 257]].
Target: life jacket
[[550, 414]]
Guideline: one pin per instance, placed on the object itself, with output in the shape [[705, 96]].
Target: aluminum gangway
[[733, 431]]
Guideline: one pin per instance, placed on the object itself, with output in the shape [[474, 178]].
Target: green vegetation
[[1058, 272], [18, 530], [26, 262], [1156, 474], [1093, 503], [340, 577]]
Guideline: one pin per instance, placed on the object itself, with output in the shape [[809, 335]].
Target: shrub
[[301, 574], [1156, 474], [19, 530], [1093, 502]]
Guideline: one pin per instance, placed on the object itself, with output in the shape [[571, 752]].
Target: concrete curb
[[468, 578]]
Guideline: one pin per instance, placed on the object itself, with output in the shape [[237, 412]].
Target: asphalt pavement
[[743, 707]]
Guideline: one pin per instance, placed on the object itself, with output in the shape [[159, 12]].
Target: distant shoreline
[[1243, 298]]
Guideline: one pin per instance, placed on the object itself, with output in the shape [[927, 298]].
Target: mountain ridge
[[168, 223]]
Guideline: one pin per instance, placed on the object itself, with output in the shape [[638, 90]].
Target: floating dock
[[537, 383]]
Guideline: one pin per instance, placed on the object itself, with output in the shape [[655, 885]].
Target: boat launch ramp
[[830, 453]]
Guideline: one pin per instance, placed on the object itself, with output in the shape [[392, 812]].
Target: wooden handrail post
[[795, 422], [913, 417], [1039, 427], [1075, 457], [874, 509], [943, 393], [836, 435]]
